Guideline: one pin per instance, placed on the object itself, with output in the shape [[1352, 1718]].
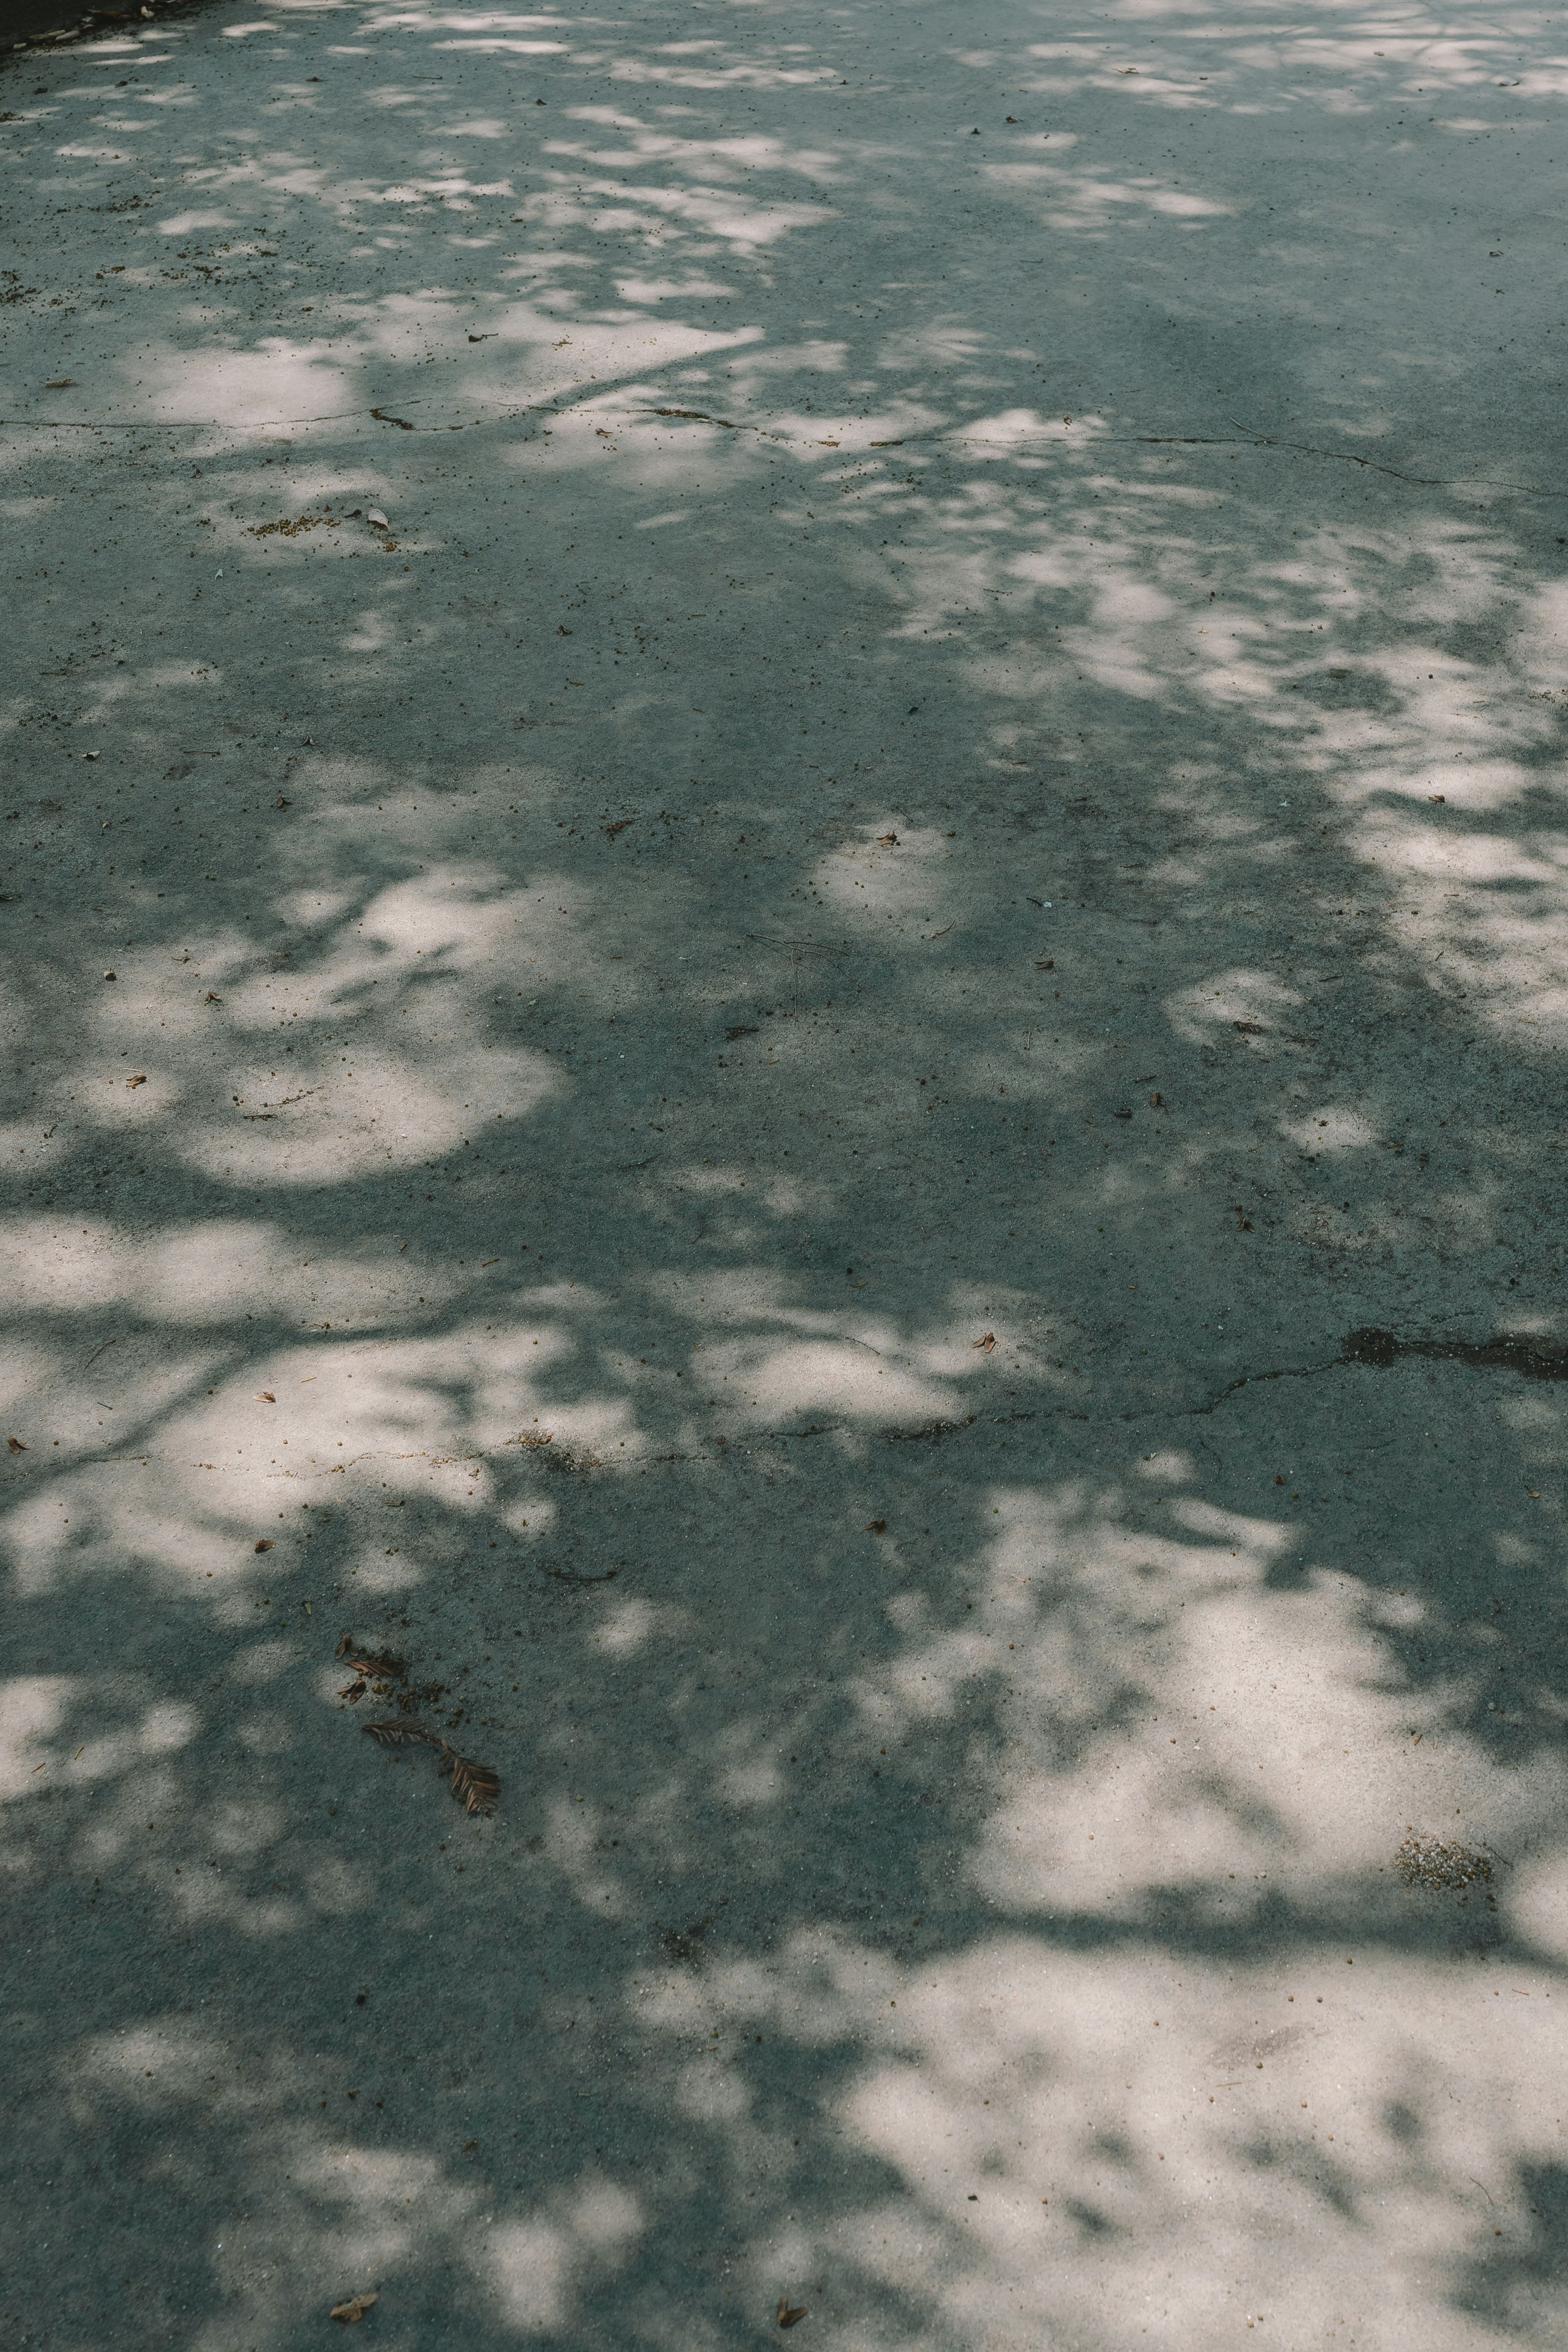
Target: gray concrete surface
[[967, 643]]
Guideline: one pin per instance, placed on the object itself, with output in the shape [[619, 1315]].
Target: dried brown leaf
[[140, 1079], [473, 1785], [15, 1445], [389, 1734], [353, 1691], [987, 1342], [355, 2307], [346, 1643], [374, 1662], [265, 1396], [264, 1543], [875, 1526], [786, 2316]]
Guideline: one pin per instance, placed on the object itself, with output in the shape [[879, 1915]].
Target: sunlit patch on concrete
[[1332, 1127], [536, 2267]]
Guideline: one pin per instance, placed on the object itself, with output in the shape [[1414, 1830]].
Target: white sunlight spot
[[207, 1272], [628, 1628], [1225, 998], [754, 1783], [1204, 1783], [530, 1515], [1332, 1127], [26, 1370], [310, 910], [778, 1380], [1536, 1904], [1066, 2129], [1170, 1469], [528, 2271], [315, 1123], [710, 2093], [30, 1708], [238, 389], [261, 1662], [537, 2265]]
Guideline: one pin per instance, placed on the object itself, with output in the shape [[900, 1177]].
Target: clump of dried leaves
[[475, 1786], [1441, 1863]]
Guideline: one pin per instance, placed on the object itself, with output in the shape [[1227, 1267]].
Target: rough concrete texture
[[923, 861]]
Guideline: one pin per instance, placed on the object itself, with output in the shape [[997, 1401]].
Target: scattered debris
[[290, 529], [213, 997], [1250, 1028], [356, 2308], [15, 1445], [381, 417], [281, 803], [263, 1543], [1441, 1863], [619, 825], [875, 1526], [380, 1662], [739, 1030], [887, 841], [684, 1943], [375, 517], [787, 2317], [987, 1342], [112, 975], [138, 1078], [265, 1396], [60, 383]]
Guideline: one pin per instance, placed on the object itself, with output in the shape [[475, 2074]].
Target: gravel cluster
[[1432, 1862]]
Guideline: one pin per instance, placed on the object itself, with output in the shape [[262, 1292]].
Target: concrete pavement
[[592, 593]]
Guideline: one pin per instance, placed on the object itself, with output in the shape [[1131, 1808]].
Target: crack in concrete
[[1369, 1348]]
